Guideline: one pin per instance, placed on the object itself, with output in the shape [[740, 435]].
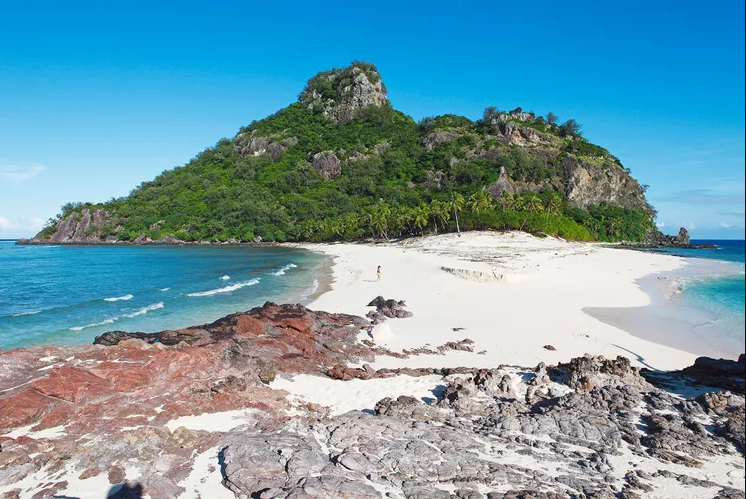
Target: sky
[[97, 97]]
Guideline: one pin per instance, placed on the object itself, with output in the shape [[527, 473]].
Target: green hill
[[342, 163]]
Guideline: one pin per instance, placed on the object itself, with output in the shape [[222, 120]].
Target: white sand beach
[[512, 293]]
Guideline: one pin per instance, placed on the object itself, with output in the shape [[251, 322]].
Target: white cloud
[[660, 224], [725, 225], [26, 224], [17, 173]]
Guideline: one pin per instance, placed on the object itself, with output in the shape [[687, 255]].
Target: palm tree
[[480, 200], [508, 201], [439, 212], [323, 227], [307, 231], [535, 205], [420, 218], [351, 223], [379, 220], [406, 217], [336, 226], [519, 203], [615, 228], [553, 204], [456, 204]]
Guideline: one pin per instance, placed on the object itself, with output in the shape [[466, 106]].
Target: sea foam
[[112, 320], [226, 289], [282, 270], [33, 312], [120, 298]]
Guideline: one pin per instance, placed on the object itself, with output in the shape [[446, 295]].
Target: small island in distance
[[343, 164]]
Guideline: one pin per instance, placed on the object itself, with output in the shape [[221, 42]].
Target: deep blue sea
[[71, 294], [716, 288]]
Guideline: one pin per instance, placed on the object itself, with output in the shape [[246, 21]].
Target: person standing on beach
[[378, 273]]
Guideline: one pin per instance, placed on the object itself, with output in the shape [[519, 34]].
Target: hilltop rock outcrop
[[339, 94], [523, 136]]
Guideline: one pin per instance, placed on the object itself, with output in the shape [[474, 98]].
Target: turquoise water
[[71, 294], [715, 285]]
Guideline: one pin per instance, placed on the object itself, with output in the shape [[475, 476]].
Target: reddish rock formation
[[127, 391]]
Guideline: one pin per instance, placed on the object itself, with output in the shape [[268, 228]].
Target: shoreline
[[542, 296], [650, 315], [667, 320], [324, 278]]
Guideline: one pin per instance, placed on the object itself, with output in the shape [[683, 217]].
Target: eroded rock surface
[[392, 309], [181, 413], [84, 411], [500, 433], [327, 163], [339, 94]]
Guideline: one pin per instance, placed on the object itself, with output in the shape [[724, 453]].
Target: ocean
[[71, 294], [714, 284]]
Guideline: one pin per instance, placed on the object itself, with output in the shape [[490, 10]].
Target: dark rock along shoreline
[[592, 427]]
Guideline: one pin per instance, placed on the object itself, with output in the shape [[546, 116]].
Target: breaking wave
[[120, 298], [112, 320], [282, 270], [226, 289], [33, 312]]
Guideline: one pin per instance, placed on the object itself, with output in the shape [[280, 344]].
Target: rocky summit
[[192, 413], [342, 163]]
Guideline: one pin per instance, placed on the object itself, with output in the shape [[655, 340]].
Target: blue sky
[[96, 97]]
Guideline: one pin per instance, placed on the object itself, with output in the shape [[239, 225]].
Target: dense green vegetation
[[391, 184]]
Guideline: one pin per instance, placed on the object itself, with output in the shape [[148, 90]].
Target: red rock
[[247, 325], [73, 384], [24, 408], [124, 377], [117, 475], [142, 383]]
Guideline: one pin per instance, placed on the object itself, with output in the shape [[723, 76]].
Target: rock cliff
[[80, 227], [339, 93]]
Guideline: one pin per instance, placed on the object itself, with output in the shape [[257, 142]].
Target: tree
[[614, 228], [569, 128], [456, 204], [552, 118], [379, 221], [554, 204], [508, 201], [519, 203], [439, 212], [480, 200], [489, 114], [534, 204], [420, 219]]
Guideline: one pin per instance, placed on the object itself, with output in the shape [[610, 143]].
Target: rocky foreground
[[191, 413]]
